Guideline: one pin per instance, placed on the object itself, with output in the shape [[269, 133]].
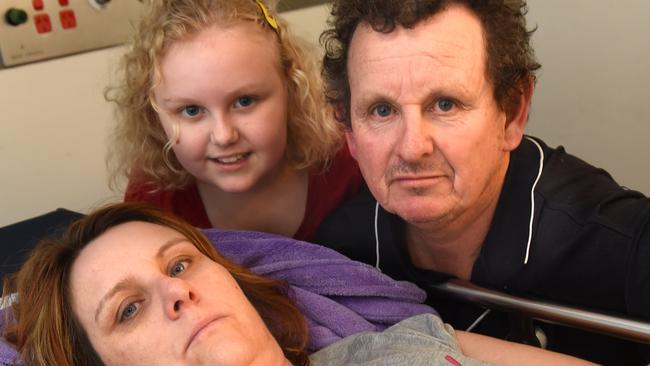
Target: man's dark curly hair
[[511, 62]]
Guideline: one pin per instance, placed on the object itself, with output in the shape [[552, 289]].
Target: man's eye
[[177, 268], [382, 110], [191, 110], [128, 312], [445, 105], [245, 101]]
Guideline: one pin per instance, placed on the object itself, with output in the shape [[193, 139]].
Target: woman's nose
[[177, 296], [224, 132]]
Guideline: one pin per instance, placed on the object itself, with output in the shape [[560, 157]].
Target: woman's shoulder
[[419, 340]]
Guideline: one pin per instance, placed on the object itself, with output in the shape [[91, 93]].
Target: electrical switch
[[43, 23], [68, 19], [15, 16]]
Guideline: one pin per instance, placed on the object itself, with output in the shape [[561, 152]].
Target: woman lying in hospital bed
[[132, 285]]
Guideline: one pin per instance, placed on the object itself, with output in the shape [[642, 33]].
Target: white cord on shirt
[[532, 197], [377, 235]]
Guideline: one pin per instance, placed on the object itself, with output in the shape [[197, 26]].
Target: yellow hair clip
[[267, 15]]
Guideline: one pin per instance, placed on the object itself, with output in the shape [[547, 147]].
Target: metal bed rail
[[634, 330]]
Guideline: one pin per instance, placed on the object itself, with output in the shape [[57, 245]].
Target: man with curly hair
[[435, 95]]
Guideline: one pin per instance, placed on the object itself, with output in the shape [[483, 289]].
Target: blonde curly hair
[[139, 146]]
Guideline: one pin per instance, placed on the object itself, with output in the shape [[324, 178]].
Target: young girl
[[223, 122]]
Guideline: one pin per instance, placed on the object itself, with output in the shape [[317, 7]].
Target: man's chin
[[416, 213]]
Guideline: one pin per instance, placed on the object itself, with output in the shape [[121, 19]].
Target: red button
[[38, 4], [43, 24], [64, 2], [68, 19]]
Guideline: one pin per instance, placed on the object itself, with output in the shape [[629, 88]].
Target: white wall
[[309, 23], [53, 137], [593, 93], [591, 98]]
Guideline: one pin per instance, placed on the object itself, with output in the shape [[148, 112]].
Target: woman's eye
[[128, 312], [445, 105], [177, 269], [382, 110], [191, 110], [245, 101]]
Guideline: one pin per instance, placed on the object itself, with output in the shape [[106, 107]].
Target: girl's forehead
[[223, 39], [230, 56], [242, 31]]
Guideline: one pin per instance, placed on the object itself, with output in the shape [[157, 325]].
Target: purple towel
[[8, 355], [338, 296]]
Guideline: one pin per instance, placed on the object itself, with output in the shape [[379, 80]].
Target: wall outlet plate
[[75, 26]]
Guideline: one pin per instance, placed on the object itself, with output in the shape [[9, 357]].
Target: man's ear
[[352, 146], [517, 116]]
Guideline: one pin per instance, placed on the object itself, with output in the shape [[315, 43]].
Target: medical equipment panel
[[34, 30]]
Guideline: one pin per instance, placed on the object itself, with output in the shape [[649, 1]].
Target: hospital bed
[[615, 326]]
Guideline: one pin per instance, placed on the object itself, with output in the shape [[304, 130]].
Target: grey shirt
[[419, 340]]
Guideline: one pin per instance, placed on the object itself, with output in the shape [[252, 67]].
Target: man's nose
[[224, 131], [177, 296], [416, 139]]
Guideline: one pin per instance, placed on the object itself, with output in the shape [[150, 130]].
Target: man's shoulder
[[588, 193], [562, 171], [584, 225]]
